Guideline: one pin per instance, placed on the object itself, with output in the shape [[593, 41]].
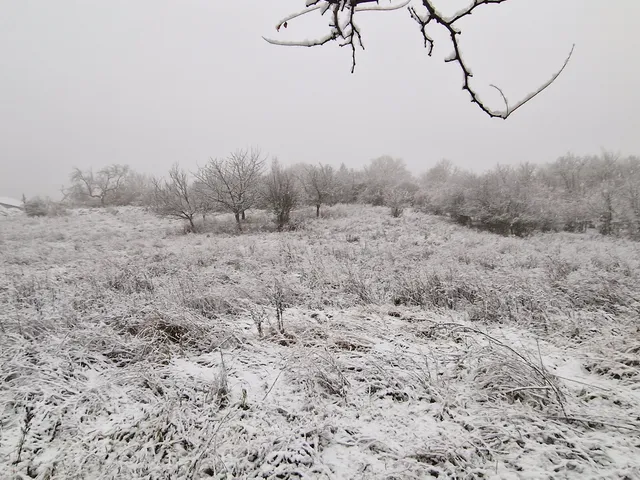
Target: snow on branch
[[344, 30], [342, 25]]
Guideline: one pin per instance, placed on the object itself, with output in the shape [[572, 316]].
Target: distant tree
[[381, 176], [233, 182], [349, 184], [175, 197], [434, 192], [104, 186], [281, 195], [602, 185], [570, 170], [438, 174], [319, 182], [566, 181], [630, 192], [342, 15], [206, 204], [446, 190], [572, 193], [136, 190]]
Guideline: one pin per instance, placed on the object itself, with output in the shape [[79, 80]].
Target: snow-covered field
[[412, 349]]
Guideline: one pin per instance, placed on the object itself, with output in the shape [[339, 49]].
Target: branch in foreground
[[344, 29], [342, 25]]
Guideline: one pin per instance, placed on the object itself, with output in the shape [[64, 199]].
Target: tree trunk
[[193, 225], [317, 210], [237, 216], [243, 215], [606, 228]]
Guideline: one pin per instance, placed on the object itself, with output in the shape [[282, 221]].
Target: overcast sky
[[150, 82]]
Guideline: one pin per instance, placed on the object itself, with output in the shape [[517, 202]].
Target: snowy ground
[[412, 348]]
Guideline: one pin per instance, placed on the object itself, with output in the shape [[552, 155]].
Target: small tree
[[281, 195], [233, 182], [175, 197], [319, 184], [399, 197]]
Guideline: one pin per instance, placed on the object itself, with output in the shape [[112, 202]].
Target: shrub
[[36, 207], [43, 207]]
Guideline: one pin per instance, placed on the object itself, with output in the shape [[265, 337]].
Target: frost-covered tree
[[318, 182], [136, 190], [175, 197], [233, 182], [382, 175], [427, 14], [349, 184], [280, 193], [630, 192], [106, 185]]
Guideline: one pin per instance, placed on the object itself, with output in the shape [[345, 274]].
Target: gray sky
[[150, 82]]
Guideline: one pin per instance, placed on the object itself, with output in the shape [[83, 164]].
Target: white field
[[413, 349]]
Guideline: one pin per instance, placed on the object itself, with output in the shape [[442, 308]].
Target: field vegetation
[[343, 343]]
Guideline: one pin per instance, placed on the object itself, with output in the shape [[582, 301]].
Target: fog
[[150, 83]]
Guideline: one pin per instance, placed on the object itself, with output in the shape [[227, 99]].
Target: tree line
[[573, 193]]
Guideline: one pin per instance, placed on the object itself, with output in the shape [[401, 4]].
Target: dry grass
[[407, 348]]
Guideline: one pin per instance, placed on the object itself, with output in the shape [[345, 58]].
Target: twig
[[519, 389], [582, 383], [633, 428], [274, 382]]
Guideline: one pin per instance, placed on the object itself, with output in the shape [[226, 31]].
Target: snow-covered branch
[[342, 25], [344, 29]]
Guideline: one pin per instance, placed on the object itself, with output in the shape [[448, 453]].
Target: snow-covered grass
[[412, 348]]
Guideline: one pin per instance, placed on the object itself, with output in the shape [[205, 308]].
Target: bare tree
[[318, 183], [233, 182], [343, 29], [280, 193], [104, 185], [203, 199], [175, 197]]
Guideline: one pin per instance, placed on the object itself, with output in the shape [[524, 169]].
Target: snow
[[137, 350], [10, 202]]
